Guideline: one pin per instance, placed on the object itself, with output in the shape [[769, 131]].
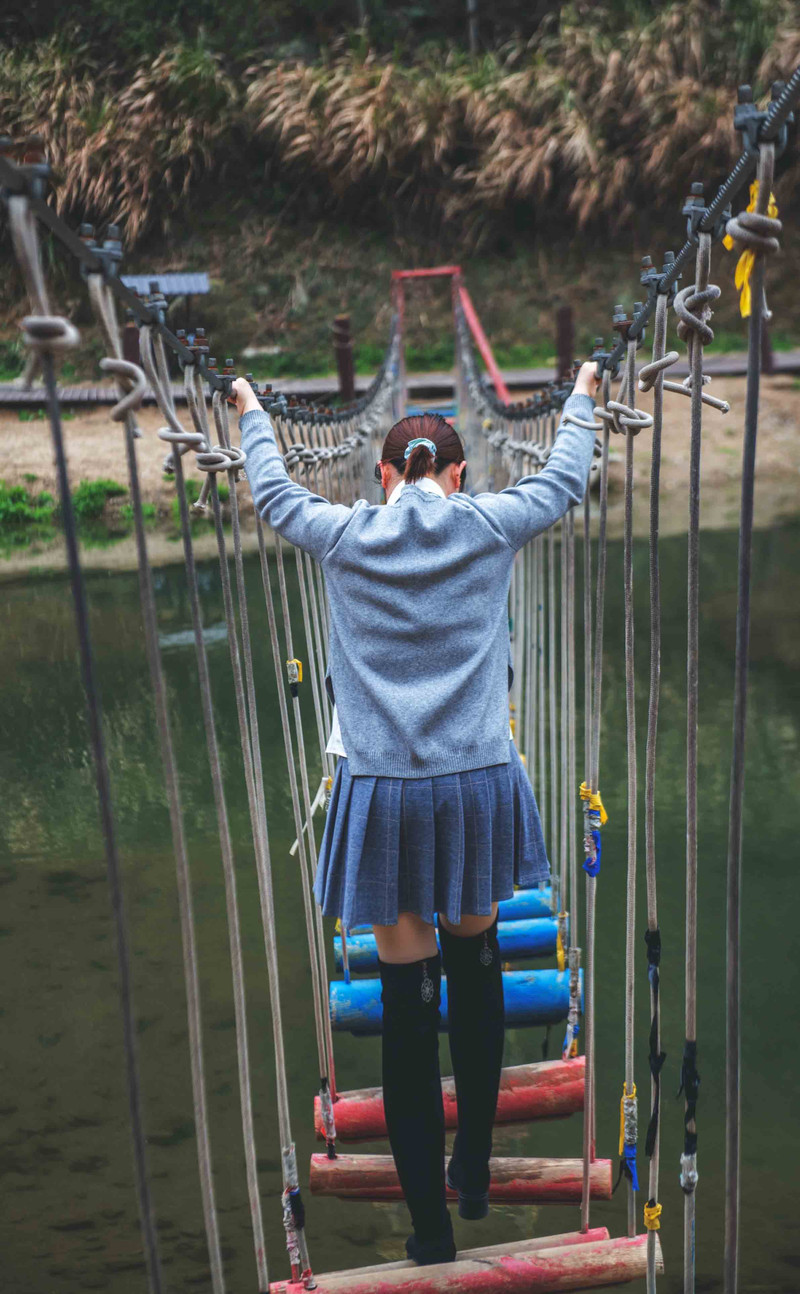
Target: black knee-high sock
[[412, 1092], [476, 1026]]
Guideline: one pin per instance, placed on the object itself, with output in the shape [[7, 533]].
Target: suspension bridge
[[547, 935]]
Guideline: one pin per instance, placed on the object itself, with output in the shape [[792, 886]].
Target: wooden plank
[[550, 1089], [515, 1180]]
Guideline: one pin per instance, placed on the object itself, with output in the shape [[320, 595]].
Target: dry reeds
[[581, 125]]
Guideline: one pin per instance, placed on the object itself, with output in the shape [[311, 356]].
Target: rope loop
[[134, 383], [49, 334]]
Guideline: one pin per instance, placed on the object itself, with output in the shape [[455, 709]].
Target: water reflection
[[69, 1218]]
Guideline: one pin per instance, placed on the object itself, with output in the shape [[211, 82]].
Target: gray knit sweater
[[419, 648]]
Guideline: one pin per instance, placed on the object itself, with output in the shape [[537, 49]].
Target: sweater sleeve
[[305, 519], [536, 502]]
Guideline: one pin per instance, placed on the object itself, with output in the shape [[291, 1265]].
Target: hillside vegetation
[[601, 112]]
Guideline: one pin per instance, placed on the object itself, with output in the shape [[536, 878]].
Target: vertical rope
[[630, 723], [126, 375], [47, 336], [694, 329], [757, 231], [652, 377], [593, 774]]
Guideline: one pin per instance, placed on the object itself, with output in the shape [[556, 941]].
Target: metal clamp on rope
[[749, 120], [294, 674], [696, 213]]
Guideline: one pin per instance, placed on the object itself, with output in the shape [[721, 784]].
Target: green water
[[68, 1218]]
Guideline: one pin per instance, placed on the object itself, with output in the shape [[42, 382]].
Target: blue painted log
[[524, 905], [531, 997], [518, 941]]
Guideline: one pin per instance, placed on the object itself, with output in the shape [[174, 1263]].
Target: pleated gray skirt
[[453, 844]]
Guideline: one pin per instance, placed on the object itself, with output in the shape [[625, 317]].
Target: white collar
[[425, 483]]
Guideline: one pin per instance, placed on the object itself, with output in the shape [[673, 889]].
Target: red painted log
[[590, 1237], [514, 1180], [551, 1089], [514, 1270]]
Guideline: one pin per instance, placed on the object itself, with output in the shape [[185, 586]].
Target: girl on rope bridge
[[431, 810]]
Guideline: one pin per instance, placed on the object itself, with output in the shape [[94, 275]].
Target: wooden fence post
[[343, 346]]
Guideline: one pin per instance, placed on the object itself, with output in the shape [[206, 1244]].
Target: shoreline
[[95, 450]]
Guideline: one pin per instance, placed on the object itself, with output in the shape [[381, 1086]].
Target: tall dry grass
[[125, 147], [584, 124]]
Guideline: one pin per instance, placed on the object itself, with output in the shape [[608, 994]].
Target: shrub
[[90, 498]]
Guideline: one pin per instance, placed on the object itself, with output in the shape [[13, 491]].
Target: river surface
[[68, 1217]]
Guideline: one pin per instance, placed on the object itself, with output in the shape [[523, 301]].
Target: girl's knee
[[470, 925], [410, 940]]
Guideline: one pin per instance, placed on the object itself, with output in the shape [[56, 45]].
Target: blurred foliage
[[586, 114], [287, 28]]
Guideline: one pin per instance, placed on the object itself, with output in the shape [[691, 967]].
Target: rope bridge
[[332, 451]]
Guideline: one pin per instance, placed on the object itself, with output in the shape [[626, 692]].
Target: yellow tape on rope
[[595, 802], [745, 263]]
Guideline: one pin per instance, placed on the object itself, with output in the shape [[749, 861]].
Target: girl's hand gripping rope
[[245, 397]]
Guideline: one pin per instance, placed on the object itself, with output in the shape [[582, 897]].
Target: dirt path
[[95, 450]]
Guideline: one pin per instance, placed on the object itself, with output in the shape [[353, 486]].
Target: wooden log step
[[525, 905], [550, 1089], [564, 1238], [519, 940], [513, 1270], [532, 997], [522, 906], [514, 1180]]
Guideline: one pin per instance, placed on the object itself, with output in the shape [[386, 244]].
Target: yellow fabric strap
[[625, 1093], [653, 1214], [595, 802], [338, 925], [560, 954], [745, 263]]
